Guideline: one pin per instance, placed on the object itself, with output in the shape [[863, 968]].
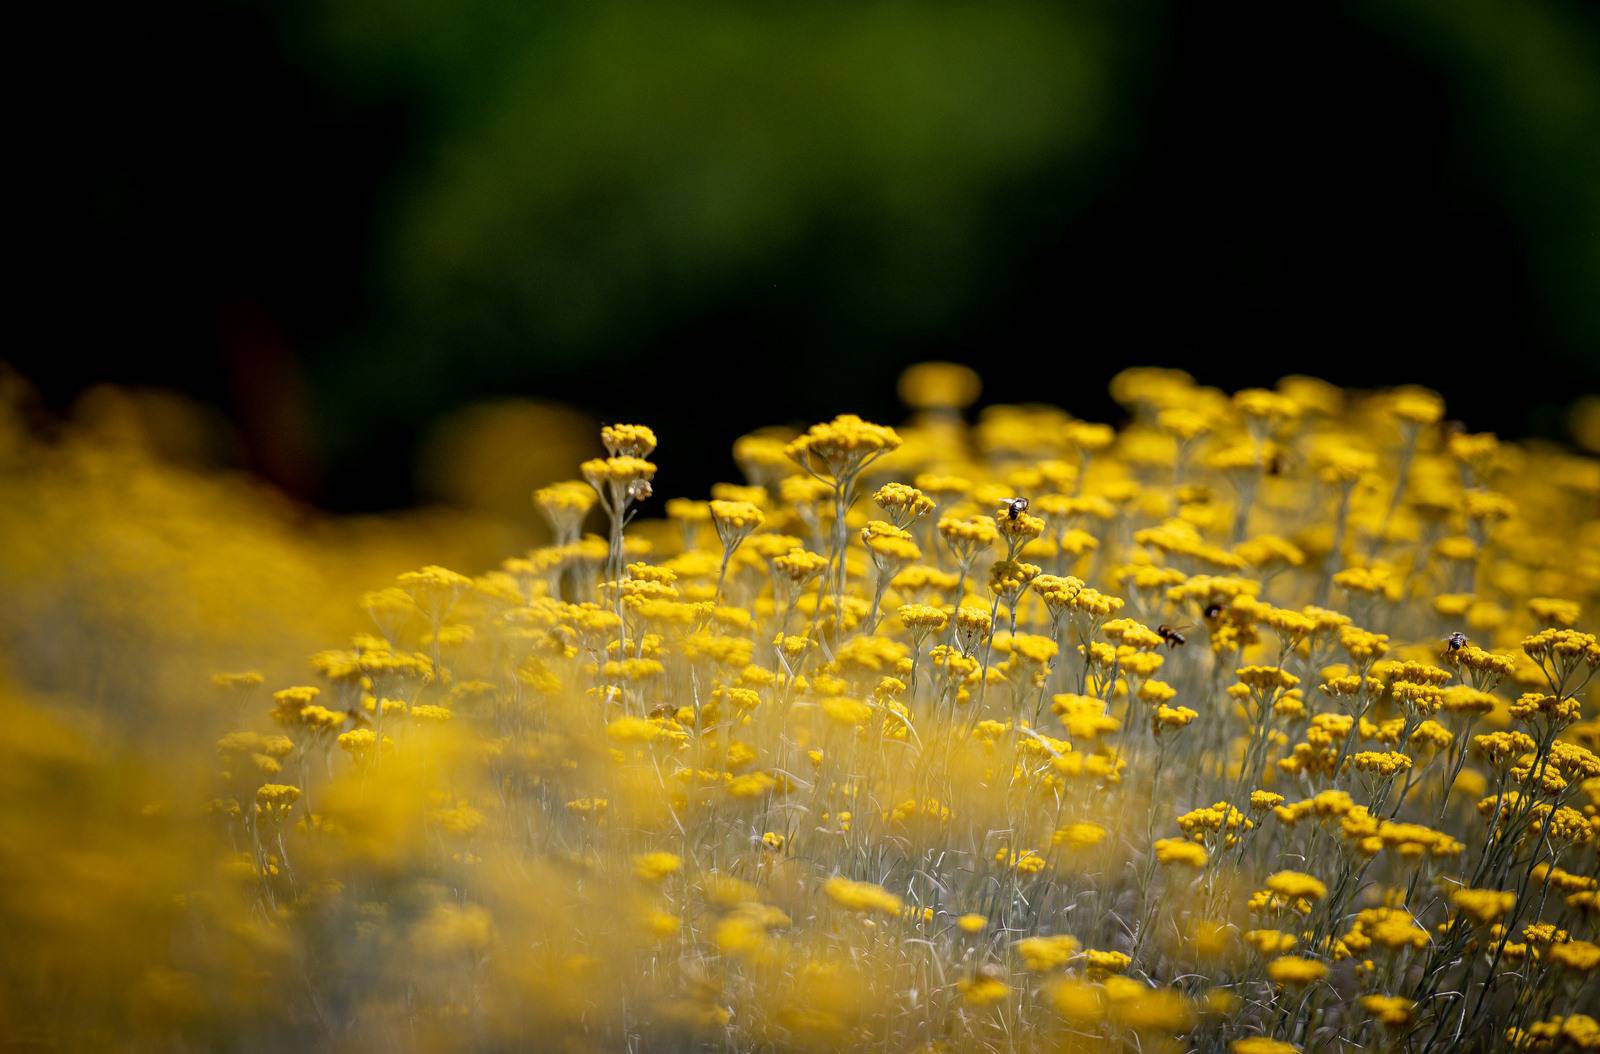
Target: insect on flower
[[1014, 507], [1455, 641]]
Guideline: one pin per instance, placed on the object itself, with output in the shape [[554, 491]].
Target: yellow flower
[[1026, 862], [244, 680], [1100, 963], [1554, 611], [1172, 718], [982, 990], [1079, 835], [1563, 644], [358, 742], [628, 440], [845, 711], [1043, 954], [1292, 970], [973, 624], [751, 785], [1266, 405], [429, 713], [863, 897], [889, 546], [1010, 577], [1180, 851], [1382, 763], [902, 503], [1363, 645], [1267, 678], [1296, 885], [1484, 905], [653, 867], [1416, 405], [1577, 956], [1262, 1045], [565, 505], [798, 565], [1393, 1011], [743, 932], [922, 618], [939, 385], [1270, 942], [1131, 633], [275, 800], [734, 520], [843, 447], [614, 477], [662, 924]]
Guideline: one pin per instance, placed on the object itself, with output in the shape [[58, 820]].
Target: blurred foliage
[[602, 173], [491, 456], [184, 568], [608, 182], [616, 205]]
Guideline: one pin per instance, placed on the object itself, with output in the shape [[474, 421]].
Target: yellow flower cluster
[[1279, 701]]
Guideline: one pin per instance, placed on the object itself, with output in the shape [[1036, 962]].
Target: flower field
[[1263, 722]]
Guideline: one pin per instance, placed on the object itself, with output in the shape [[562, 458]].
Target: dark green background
[[339, 220]]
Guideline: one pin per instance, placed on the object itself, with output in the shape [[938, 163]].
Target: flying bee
[[640, 489], [1456, 641], [1174, 635], [1014, 507]]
